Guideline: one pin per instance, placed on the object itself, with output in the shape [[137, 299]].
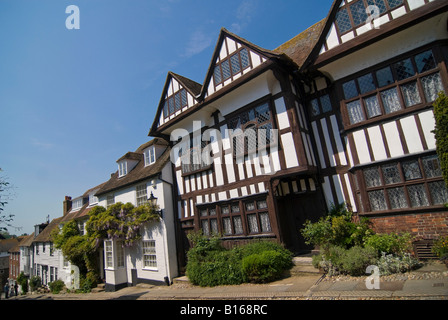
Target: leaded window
[[408, 83], [414, 183], [175, 102], [231, 66]]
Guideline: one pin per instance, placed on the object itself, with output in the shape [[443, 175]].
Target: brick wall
[[420, 225]]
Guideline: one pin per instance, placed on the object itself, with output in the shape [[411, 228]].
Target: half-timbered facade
[[377, 71], [241, 143], [340, 113]]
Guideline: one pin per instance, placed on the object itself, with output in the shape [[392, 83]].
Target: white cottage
[[143, 174]]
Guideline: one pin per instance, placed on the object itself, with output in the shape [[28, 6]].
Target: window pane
[[391, 174], [418, 197], [184, 97], [439, 193], [432, 85], [214, 226], [384, 77], [250, 206], [343, 21], [366, 83], [411, 170], [350, 90], [225, 69], [227, 226], [205, 227], [315, 107], [212, 212], [372, 177], [203, 212], [265, 222], [235, 61], [390, 100], [404, 69], [217, 74], [244, 58], [410, 94], [252, 222], [397, 198], [262, 113], [235, 207], [377, 200], [237, 225], [394, 3], [431, 166], [354, 112], [178, 102], [359, 14], [262, 204], [379, 3], [326, 103], [425, 61], [372, 106], [171, 103], [225, 209]]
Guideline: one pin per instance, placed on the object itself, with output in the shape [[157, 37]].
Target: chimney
[[66, 205]]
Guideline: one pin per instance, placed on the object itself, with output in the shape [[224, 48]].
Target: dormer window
[[122, 168], [77, 204], [93, 200], [150, 156]]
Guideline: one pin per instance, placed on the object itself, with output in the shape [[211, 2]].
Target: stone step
[[302, 261]]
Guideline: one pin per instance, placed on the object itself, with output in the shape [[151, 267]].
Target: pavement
[[427, 283]]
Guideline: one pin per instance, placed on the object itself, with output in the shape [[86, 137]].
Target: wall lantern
[[153, 202]]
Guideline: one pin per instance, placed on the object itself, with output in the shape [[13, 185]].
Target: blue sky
[[74, 101]]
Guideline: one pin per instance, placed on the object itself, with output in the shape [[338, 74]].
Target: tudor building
[[346, 112]]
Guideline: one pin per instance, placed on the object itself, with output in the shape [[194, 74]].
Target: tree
[[441, 132], [5, 188]]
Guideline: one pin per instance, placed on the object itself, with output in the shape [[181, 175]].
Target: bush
[[56, 286], [357, 259], [441, 132], [35, 282], [389, 263], [209, 264], [22, 280], [440, 248], [390, 243]]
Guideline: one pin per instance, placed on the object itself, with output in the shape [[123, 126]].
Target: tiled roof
[[138, 173], [300, 47]]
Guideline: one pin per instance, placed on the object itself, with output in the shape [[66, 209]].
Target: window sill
[[150, 269]]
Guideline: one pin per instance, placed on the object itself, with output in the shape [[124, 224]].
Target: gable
[[350, 19], [177, 98], [233, 58]]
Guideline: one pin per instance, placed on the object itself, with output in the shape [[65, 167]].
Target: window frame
[[232, 73], [423, 181], [143, 198], [122, 168], [150, 251], [175, 102], [396, 85], [150, 156]]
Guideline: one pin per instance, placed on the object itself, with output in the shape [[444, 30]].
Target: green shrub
[[35, 282], [22, 280], [440, 247], [392, 243], [357, 259], [389, 263], [441, 132], [56, 286], [209, 264]]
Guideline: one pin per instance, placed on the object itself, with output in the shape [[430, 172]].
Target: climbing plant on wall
[[441, 132]]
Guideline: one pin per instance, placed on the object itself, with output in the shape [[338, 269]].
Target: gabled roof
[[138, 173], [300, 47], [27, 240], [198, 91], [7, 244]]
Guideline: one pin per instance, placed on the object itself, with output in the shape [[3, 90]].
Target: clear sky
[[74, 101]]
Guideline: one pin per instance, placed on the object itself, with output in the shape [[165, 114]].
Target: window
[[232, 66], [77, 204], [404, 84], [414, 183], [110, 200], [320, 105], [93, 199], [120, 254], [239, 218], [191, 159], [122, 168], [149, 254], [108, 254], [142, 197], [150, 156], [252, 130], [175, 103], [354, 14]]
